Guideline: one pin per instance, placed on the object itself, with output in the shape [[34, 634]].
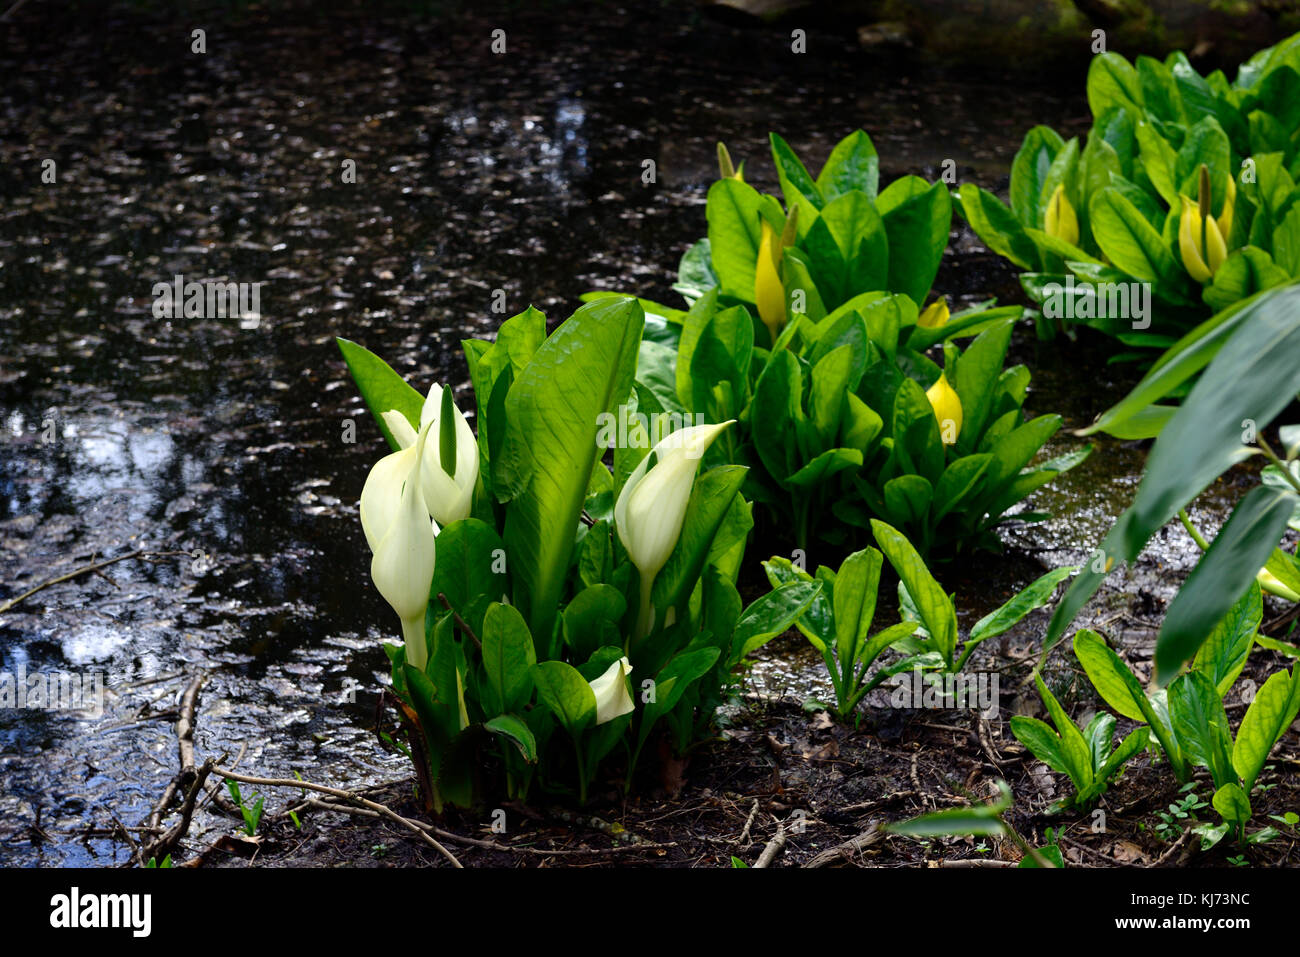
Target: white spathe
[[652, 505], [610, 689], [402, 565], [449, 499]]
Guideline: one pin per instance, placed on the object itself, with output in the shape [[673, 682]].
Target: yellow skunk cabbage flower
[[947, 409], [401, 534], [1201, 239], [935, 315], [1229, 207], [1061, 221], [610, 689], [725, 169], [652, 505], [769, 291]]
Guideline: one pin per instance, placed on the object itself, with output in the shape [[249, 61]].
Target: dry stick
[[975, 862], [744, 839], [185, 748], [167, 843], [485, 844], [1182, 840], [846, 850], [86, 570], [346, 796], [773, 847]]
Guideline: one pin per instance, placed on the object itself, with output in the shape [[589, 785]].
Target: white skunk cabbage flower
[[610, 689]]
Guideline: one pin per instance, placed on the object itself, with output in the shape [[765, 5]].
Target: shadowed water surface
[[474, 173]]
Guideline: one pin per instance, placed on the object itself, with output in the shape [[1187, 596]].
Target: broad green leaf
[[1113, 81], [1201, 725], [1232, 804], [712, 496], [917, 217], [1035, 595], [1127, 239], [1224, 652], [734, 233], [770, 615], [516, 730], [932, 602], [508, 657], [1044, 744], [854, 599], [864, 244], [468, 569], [796, 183], [563, 689], [381, 388], [852, 165], [1029, 173], [1074, 749], [997, 226], [1269, 715], [583, 370], [1222, 575]]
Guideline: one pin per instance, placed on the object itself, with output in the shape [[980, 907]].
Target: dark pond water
[[475, 172]]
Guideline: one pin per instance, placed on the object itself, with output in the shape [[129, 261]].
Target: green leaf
[[861, 236], [592, 619], [584, 369], [515, 730], [796, 183], [1224, 652], [508, 658], [1112, 81], [1074, 749], [381, 388], [1201, 725], [712, 496], [1269, 715], [917, 217], [1127, 239], [467, 553], [997, 226], [932, 602], [1222, 575], [1120, 689], [1029, 173], [695, 275], [1253, 377], [776, 404], [979, 820], [734, 234], [854, 600], [770, 615], [1043, 743], [1131, 745], [1035, 595], [1232, 804], [853, 164], [563, 689]]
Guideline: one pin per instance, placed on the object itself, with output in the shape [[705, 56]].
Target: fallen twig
[[744, 839], [146, 554], [848, 849], [346, 796], [773, 848]]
